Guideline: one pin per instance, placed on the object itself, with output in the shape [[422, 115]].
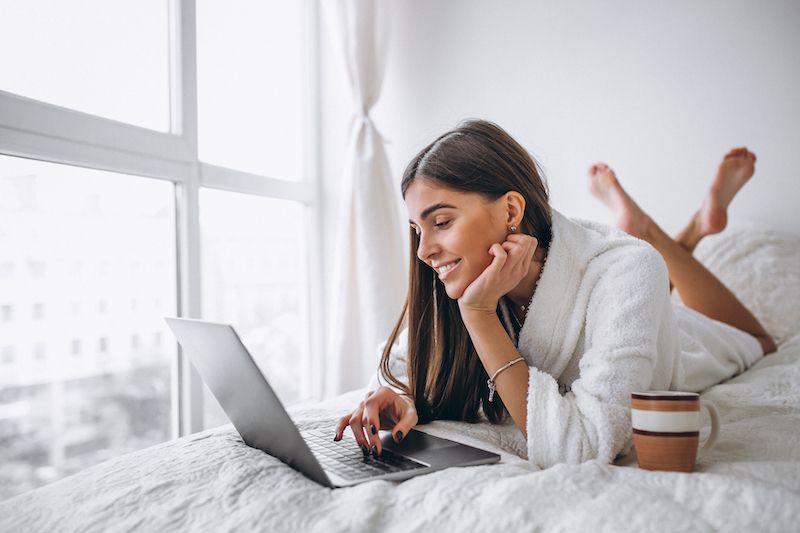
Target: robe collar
[[555, 318]]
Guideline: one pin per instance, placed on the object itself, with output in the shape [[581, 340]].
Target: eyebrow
[[431, 209]]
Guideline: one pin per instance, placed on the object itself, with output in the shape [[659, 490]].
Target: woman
[[566, 316]]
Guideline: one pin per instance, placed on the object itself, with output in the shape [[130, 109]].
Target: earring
[[512, 229]]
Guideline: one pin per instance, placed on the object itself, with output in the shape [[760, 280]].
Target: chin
[[454, 292]]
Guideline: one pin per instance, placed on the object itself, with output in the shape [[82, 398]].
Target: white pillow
[[762, 268]]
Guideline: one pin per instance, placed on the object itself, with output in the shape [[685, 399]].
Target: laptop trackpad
[[415, 442], [454, 456], [433, 450]]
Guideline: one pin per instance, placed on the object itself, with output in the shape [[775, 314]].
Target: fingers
[[345, 420], [500, 256], [371, 427], [520, 248], [340, 427], [407, 421], [354, 421], [371, 417], [358, 429], [520, 238]]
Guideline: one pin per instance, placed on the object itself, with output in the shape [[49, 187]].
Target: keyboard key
[[347, 460]]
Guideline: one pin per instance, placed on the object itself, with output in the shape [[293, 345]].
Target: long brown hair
[[445, 376]]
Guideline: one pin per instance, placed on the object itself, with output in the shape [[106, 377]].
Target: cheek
[[475, 262]]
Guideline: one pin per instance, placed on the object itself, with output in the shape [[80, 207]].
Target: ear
[[515, 208]]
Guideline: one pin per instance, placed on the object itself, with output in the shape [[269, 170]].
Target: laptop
[[257, 414]]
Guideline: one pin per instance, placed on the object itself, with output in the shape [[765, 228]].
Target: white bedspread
[[750, 481], [212, 482]]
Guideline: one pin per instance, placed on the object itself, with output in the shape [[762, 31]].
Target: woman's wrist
[[477, 311]]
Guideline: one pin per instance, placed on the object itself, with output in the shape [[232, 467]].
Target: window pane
[[254, 277], [105, 58], [250, 85], [77, 247]]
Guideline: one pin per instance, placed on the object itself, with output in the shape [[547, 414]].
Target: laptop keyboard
[[346, 459]]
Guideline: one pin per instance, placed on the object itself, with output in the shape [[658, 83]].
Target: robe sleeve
[[397, 363], [623, 318]]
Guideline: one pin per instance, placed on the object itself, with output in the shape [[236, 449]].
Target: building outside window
[[7, 355], [108, 177]]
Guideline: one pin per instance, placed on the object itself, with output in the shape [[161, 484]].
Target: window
[[243, 48], [8, 355], [71, 215], [37, 268], [125, 79], [185, 139], [40, 351], [6, 268], [263, 298]]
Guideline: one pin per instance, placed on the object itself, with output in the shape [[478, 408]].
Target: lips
[[446, 270]]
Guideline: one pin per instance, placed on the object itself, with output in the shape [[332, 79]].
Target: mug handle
[[712, 437]]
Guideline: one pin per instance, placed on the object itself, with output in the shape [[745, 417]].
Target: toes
[[740, 151], [599, 167]]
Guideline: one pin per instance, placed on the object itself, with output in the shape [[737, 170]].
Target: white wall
[[659, 90]]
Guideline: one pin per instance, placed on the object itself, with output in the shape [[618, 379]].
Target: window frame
[[42, 131]]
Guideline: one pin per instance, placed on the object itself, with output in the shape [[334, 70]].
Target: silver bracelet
[[490, 381]]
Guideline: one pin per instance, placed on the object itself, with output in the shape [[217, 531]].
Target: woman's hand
[[381, 409], [511, 263]]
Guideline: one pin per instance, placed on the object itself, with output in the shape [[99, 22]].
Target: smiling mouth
[[445, 270]]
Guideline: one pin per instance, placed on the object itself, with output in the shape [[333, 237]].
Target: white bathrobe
[[601, 324]]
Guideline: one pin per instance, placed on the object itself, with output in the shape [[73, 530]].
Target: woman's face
[[456, 230]]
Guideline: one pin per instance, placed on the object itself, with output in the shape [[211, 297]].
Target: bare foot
[[736, 168], [603, 185]]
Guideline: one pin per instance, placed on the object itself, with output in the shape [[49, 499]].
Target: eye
[[442, 224]]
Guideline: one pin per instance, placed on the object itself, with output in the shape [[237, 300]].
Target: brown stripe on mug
[[666, 427], [670, 397], [666, 434], [650, 404], [674, 452]]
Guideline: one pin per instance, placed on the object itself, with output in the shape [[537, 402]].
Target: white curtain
[[369, 277]]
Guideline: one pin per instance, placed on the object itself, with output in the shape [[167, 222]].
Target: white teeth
[[445, 268]]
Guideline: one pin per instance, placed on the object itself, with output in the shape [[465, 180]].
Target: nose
[[427, 247]]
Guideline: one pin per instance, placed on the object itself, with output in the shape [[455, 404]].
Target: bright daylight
[[384, 265]]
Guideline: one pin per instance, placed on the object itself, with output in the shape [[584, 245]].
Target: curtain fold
[[369, 274]]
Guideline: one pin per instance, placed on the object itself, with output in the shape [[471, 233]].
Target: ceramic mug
[[666, 429]]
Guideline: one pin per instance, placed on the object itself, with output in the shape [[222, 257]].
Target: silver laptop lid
[[247, 398]]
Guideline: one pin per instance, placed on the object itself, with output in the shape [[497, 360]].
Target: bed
[[750, 481]]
